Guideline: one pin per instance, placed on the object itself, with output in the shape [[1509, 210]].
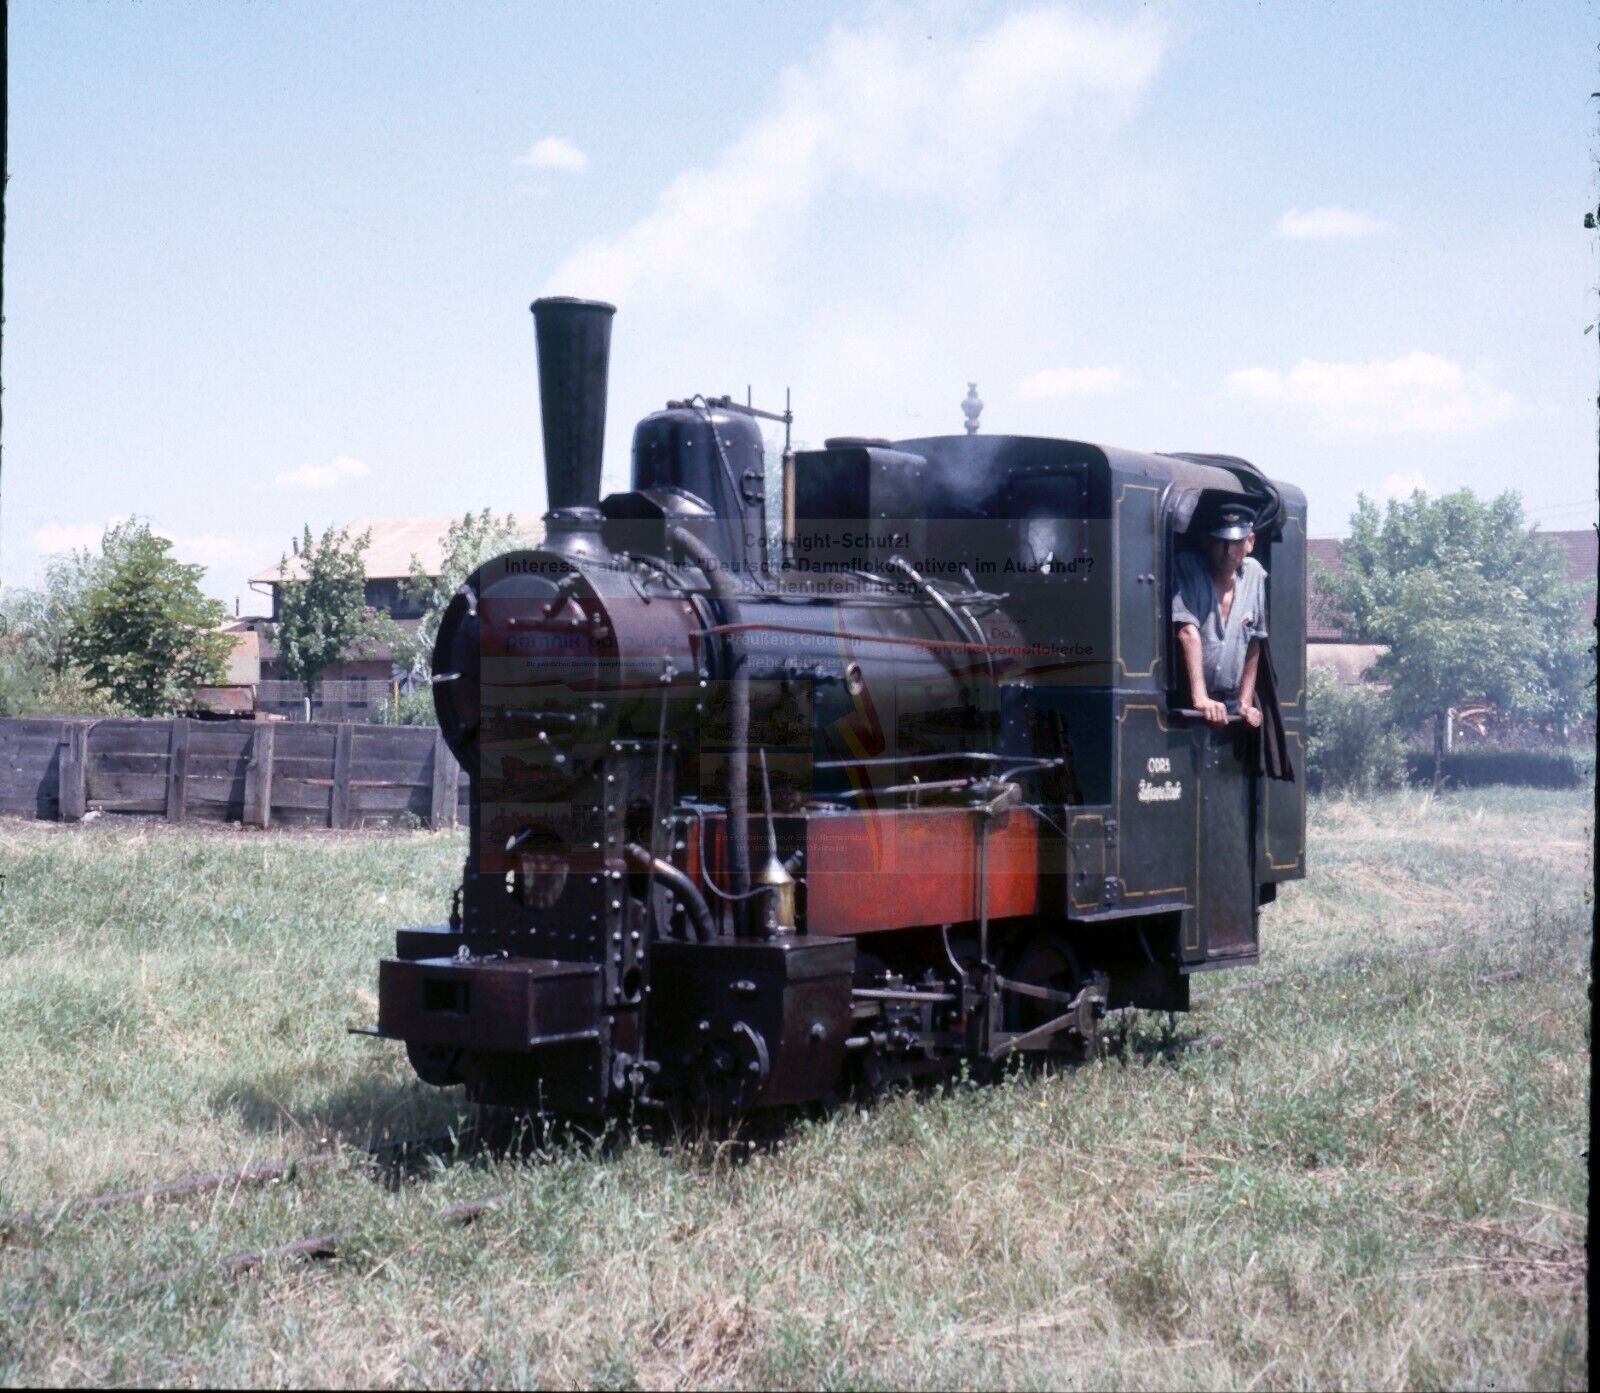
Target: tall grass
[[1375, 1179]]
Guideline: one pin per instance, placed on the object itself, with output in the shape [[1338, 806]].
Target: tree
[[322, 612], [37, 671], [466, 545], [41, 620], [1472, 603], [140, 629]]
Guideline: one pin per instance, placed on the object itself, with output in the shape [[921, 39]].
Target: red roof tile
[[1582, 548]]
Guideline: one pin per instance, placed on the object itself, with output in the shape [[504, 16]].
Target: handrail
[[1195, 715]]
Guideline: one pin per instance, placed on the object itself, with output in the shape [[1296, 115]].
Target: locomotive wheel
[[730, 1069], [1043, 959]]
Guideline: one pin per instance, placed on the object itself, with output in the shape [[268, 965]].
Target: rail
[[330, 1241]]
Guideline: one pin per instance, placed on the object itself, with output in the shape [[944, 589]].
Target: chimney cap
[[565, 300]]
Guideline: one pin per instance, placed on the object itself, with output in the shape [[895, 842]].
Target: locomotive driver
[[1219, 611]]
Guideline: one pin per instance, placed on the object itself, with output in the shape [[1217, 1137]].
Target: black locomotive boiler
[[906, 782]]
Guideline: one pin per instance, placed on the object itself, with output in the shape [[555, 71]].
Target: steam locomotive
[[909, 782]]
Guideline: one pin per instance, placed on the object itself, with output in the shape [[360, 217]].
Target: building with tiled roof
[[387, 559], [1321, 625], [1583, 556], [387, 562]]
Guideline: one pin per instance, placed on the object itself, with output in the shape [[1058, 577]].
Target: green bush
[[27, 689], [1352, 745], [414, 709], [1472, 768]]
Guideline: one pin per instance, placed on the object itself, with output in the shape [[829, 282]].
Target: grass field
[[1377, 1177]]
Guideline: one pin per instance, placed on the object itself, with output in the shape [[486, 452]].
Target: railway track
[[468, 1141], [476, 1139], [1356, 962], [1364, 962], [458, 1144], [322, 1244], [317, 1245]]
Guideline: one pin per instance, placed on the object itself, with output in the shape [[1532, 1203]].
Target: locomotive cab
[[1277, 822]]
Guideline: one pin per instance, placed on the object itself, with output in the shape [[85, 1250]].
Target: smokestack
[[574, 340]]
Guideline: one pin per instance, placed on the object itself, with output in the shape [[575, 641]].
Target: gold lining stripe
[[1155, 556], [1191, 940], [1140, 706], [1072, 828], [1305, 595], [1266, 841], [1162, 726]]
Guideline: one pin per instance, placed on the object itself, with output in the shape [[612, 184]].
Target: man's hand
[[1215, 713], [1252, 715]]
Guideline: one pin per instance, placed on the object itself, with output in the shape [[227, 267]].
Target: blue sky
[[269, 263]]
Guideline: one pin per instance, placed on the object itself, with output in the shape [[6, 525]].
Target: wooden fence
[[260, 773], [355, 699]]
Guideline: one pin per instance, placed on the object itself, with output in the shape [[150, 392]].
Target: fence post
[[177, 767], [258, 777], [72, 787], [446, 786], [339, 811]]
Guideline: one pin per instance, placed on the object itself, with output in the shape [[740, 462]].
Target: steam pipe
[[787, 525], [574, 347], [899, 563], [684, 888], [726, 595]]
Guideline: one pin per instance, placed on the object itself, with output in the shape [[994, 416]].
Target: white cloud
[[206, 548], [228, 558], [1420, 393], [1402, 486], [888, 110], [1057, 383], [58, 537], [1265, 383], [1331, 221], [555, 152], [322, 476]]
